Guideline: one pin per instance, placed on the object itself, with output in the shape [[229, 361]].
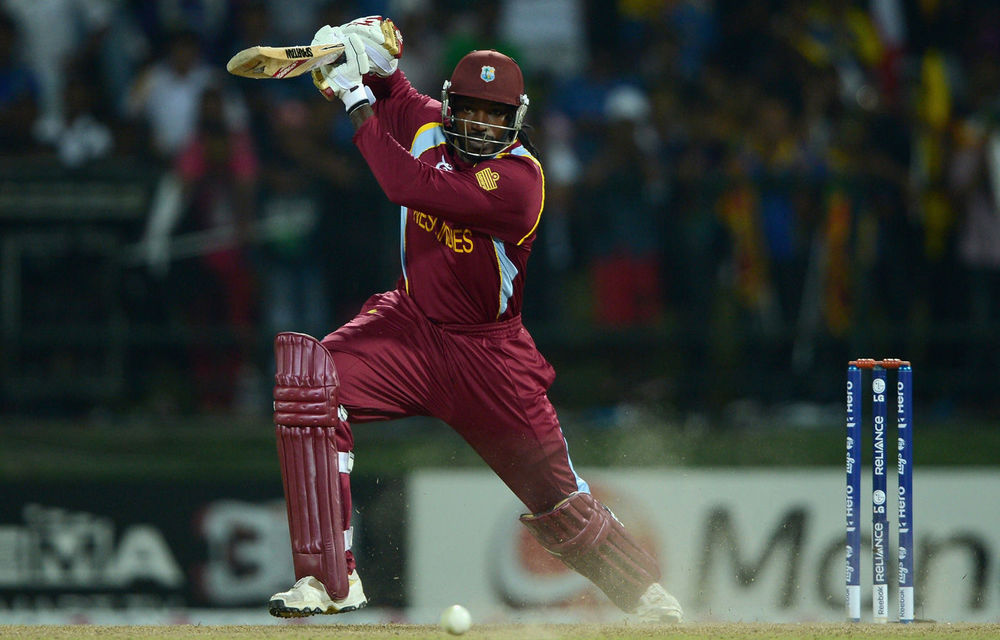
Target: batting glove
[[383, 42], [343, 80]]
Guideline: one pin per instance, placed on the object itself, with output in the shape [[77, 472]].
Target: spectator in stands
[[626, 186], [974, 177], [57, 32], [168, 93], [19, 93], [208, 20], [85, 136], [304, 183], [219, 171]]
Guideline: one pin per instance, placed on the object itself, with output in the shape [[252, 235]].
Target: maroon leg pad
[[588, 538], [305, 417], [305, 384], [311, 479]]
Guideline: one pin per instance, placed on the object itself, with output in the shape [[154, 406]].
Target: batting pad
[[305, 383], [310, 474], [305, 412], [588, 538]]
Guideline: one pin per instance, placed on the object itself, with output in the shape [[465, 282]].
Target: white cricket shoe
[[656, 605], [308, 597]]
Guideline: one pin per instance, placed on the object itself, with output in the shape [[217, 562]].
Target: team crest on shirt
[[488, 74], [487, 179], [443, 165]]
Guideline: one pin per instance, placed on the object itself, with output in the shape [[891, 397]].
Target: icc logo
[[488, 74]]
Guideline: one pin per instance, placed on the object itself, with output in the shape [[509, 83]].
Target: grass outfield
[[232, 447], [724, 631]]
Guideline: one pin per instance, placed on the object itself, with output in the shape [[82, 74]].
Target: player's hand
[[382, 39], [343, 80], [326, 35]]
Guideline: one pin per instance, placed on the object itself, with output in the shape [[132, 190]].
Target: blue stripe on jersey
[[507, 274], [507, 269], [581, 484], [427, 137], [402, 246]]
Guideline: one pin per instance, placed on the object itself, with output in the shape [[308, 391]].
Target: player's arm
[[373, 46], [501, 197], [359, 115]]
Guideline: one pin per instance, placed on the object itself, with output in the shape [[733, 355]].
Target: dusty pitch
[[724, 631]]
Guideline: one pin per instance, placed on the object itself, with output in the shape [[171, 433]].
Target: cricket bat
[[282, 62]]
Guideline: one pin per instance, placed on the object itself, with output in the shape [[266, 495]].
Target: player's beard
[[481, 146], [486, 145]]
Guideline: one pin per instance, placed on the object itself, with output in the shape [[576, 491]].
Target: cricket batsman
[[448, 340]]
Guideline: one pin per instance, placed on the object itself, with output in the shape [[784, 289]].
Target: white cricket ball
[[456, 619]]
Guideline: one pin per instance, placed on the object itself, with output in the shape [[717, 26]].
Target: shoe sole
[[663, 618], [278, 609]]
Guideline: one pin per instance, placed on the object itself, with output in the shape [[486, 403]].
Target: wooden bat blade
[[282, 62]]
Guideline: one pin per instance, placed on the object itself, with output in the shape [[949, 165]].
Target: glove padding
[[343, 80], [382, 39]]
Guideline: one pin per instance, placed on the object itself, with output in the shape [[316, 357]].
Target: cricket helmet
[[486, 75]]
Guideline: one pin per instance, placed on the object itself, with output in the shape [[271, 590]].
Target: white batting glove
[[326, 35], [343, 80], [383, 42]]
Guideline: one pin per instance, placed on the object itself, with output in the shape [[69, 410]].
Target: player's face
[[482, 122]]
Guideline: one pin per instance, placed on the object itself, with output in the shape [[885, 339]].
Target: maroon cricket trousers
[[488, 382]]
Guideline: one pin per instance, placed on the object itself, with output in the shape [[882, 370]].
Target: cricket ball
[[456, 620]]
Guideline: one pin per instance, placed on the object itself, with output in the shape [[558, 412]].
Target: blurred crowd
[[761, 180]]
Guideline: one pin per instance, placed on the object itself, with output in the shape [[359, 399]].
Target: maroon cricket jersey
[[466, 229], [448, 342]]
